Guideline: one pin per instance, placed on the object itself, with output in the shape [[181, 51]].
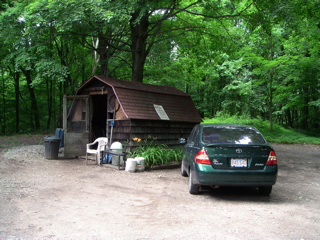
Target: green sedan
[[228, 155]]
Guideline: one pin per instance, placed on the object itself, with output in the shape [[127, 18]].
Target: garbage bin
[[51, 144], [116, 147]]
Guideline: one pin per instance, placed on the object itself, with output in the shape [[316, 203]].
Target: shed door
[[76, 124]]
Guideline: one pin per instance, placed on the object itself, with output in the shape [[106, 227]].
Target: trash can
[[116, 147], [51, 144]]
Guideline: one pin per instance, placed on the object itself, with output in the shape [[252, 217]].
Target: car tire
[[265, 190], [183, 172], [193, 188]]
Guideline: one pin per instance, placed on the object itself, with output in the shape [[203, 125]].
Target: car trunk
[[238, 157]]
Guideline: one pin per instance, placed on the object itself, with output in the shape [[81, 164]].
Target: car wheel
[[183, 172], [265, 190], [193, 188]]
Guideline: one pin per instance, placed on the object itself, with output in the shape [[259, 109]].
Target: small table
[[122, 154]]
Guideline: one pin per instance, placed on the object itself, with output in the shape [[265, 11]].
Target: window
[[231, 135]]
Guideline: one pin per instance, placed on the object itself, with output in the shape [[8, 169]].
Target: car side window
[[193, 135], [190, 136]]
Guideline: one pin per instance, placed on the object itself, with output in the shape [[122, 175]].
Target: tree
[[253, 58]]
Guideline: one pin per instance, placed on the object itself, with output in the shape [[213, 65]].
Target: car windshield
[[231, 135]]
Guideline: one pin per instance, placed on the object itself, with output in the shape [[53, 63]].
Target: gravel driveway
[[67, 199]]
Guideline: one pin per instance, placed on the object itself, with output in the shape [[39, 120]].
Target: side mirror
[[182, 140]]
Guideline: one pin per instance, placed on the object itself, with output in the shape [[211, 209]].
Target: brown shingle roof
[[138, 100]]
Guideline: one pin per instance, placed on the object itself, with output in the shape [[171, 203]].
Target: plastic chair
[[102, 145]]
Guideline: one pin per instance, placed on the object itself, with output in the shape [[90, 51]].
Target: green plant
[[155, 154], [278, 135]]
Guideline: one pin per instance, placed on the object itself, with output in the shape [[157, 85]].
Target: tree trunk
[[34, 106], [17, 99], [67, 83], [271, 100], [305, 109], [139, 27], [49, 101], [3, 114], [16, 78], [271, 76], [289, 118], [103, 56]]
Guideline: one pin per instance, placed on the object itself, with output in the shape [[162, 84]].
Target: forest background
[[251, 59]]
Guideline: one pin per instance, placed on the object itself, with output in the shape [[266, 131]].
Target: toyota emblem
[[238, 150]]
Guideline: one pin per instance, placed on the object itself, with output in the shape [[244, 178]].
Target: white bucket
[[131, 165], [140, 164]]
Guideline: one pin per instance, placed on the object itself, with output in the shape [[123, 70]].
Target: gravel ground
[[67, 199]]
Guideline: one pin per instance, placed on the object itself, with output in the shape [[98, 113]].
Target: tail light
[[202, 157], [272, 159]]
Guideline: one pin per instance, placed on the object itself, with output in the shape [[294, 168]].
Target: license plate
[[239, 162]]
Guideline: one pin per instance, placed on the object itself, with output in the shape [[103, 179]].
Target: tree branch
[[223, 16]]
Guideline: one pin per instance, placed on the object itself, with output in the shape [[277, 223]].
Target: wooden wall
[[161, 132]]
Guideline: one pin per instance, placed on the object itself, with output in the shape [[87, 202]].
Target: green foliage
[[258, 59], [278, 135], [156, 154]]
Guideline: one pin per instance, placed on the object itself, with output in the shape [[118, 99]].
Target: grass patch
[[278, 135]]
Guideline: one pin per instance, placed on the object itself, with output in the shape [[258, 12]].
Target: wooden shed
[[124, 110]]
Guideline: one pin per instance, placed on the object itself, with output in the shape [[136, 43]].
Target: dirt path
[[67, 199]]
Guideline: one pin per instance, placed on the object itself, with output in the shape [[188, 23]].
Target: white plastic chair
[[102, 145]]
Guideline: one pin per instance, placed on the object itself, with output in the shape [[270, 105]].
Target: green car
[[228, 155]]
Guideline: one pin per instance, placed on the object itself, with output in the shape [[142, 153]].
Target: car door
[[191, 148]]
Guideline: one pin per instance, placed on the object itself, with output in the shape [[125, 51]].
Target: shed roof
[[147, 101]]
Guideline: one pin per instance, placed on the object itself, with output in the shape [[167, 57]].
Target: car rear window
[[231, 135]]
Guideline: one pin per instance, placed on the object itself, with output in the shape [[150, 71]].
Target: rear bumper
[[207, 175]]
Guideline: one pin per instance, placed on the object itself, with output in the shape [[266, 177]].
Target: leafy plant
[[155, 154], [278, 135]]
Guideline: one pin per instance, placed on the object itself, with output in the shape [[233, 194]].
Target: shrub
[[279, 134], [156, 154]]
